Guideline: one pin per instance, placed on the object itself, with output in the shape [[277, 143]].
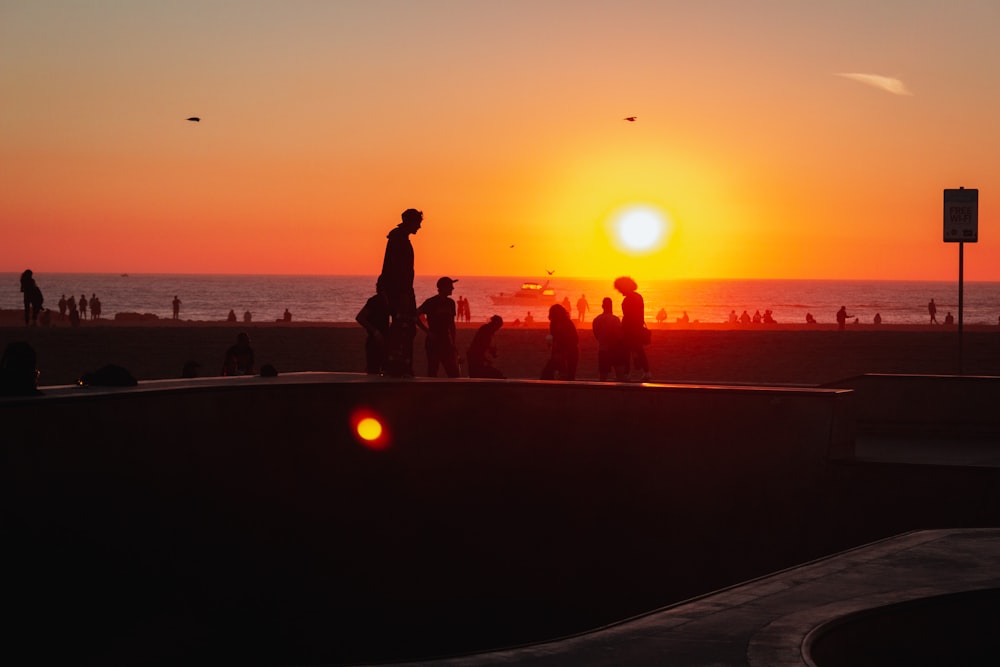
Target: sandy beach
[[783, 353]]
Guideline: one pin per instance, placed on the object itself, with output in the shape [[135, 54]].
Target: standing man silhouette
[[395, 283], [932, 310]]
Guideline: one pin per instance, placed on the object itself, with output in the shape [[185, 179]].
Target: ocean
[[338, 298]]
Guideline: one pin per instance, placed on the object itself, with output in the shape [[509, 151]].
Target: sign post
[[961, 225]]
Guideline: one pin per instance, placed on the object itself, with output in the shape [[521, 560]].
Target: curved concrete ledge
[[773, 621]]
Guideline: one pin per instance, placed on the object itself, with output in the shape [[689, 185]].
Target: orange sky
[[503, 122]]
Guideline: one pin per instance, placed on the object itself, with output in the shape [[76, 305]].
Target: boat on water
[[530, 292]]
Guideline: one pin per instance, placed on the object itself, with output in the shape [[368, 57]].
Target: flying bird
[[195, 119], [550, 272], [630, 119], [511, 245]]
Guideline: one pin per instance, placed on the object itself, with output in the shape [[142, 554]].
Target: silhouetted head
[[557, 312], [496, 321], [411, 220], [625, 285], [606, 304], [446, 284]]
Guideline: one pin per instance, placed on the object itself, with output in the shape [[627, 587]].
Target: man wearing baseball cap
[[436, 316]]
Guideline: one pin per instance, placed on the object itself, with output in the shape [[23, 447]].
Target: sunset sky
[[772, 139]]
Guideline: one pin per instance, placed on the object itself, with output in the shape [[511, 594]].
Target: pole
[[961, 292]]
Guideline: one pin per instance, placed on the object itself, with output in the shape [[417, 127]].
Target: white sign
[[961, 215]]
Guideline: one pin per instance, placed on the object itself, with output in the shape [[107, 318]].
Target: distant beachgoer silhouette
[[661, 316], [374, 317], [745, 317], [733, 319], [62, 307], [757, 317], [95, 307], [82, 305], [482, 348], [948, 318], [565, 350], [877, 319], [286, 316], [436, 316], [74, 314], [247, 316], [683, 319], [769, 317], [395, 283], [239, 359], [176, 303], [566, 305], [634, 331], [842, 317], [528, 319], [810, 319], [611, 351], [19, 370], [582, 307], [932, 310], [231, 317], [33, 298]]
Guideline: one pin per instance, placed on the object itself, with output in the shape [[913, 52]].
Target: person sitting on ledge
[[18, 370], [239, 357]]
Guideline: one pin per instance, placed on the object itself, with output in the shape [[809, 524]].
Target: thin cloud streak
[[886, 83]]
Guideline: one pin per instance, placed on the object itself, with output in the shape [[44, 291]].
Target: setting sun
[[639, 229]]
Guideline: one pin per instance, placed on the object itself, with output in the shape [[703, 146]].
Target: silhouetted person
[[932, 310], [810, 319], [32, 297], [231, 317], [247, 316], [111, 375], [74, 314], [482, 348], [733, 319], [756, 317], [661, 316], [581, 307], [82, 305], [176, 303], [529, 319], [395, 283], [634, 331], [19, 370], [95, 307], [62, 307], [948, 319], [842, 317], [610, 345], [769, 317], [239, 358], [374, 317], [565, 351], [436, 316], [287, 316], [877, 319], [683, 319], [744, 317]]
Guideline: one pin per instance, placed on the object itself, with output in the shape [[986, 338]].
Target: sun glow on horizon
[[640, 229]]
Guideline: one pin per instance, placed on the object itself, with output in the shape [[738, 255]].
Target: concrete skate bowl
[[953, 629]]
